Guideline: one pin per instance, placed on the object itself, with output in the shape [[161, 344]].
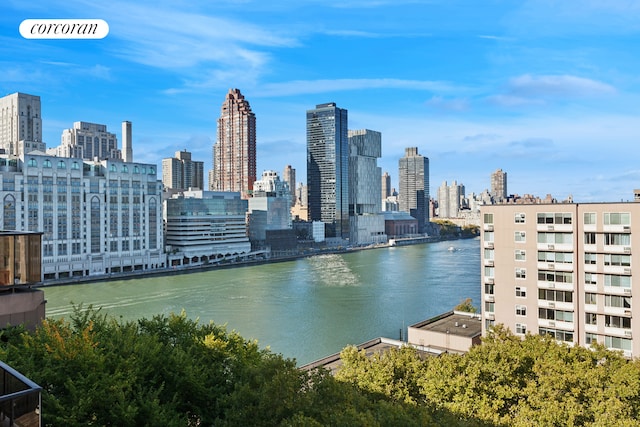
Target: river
[[304, 309]]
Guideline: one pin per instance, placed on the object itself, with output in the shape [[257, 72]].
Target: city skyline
[[544, 91]]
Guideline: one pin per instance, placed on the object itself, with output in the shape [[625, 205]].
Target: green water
[[304, 309]]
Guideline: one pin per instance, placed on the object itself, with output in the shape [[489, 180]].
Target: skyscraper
[[450, 199], [414, 186], [20, 124], [328, 168], [386, 185], [365, 218], [289, 176], [499, 185], [234, 153]]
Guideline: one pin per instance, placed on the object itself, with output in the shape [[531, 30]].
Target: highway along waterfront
[[304, 309]]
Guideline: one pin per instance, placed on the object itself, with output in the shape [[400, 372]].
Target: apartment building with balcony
[[566, 270]]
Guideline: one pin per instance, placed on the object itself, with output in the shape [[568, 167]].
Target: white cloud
[[297, 87], [455, 104], [557, 85]]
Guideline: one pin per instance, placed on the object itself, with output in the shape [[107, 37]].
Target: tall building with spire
[[234, 153], [414, 186], [328, 168]]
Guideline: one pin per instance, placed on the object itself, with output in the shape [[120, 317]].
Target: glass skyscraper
[[414, 186], [328, 168]]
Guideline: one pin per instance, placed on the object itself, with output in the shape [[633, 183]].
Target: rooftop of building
[[467, 325], [397, 216], [371, 347]]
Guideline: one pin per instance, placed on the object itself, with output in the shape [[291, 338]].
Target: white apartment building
[[450, 199], [20, 124], [96, 217], [88, 141], [203, 227], [567, 270]]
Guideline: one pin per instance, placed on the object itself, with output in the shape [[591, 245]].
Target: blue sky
[[549, 91]]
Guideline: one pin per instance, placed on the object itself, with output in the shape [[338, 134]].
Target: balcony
[[19, 399]]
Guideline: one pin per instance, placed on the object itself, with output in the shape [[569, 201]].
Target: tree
[[466, 305]]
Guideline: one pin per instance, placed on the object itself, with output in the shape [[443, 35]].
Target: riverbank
[[169, 271]]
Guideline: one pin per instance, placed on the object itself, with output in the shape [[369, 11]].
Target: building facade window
[[554, 295], [520, 218], [555, 276], [521, 328], [555, 257], [554, 218], [617, 322], [559, 315], [553, 238], [590, 338], [617, 259], [617, 239], [590, 258], [590, 279], [617, 281], [590, 318], [617, 301], [521, 292], [617, 343], [566, 336], [589, 218], [521, 255], [618, 218], [590, 298], [520, 236], [487, 218], [521, 310], [521, 273], [589, 238]]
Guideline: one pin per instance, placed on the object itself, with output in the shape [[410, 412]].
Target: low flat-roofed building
[[454, 332], [371, 347]]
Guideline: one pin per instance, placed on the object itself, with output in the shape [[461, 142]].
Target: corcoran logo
[[64, 29]]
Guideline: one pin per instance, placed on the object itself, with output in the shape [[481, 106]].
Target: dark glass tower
[[328, 168], [413, 173]]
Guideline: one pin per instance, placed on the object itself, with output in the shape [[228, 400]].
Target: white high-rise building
[[450, 198], [97, 217], [366, 223], [88, 141], [20, 124]]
